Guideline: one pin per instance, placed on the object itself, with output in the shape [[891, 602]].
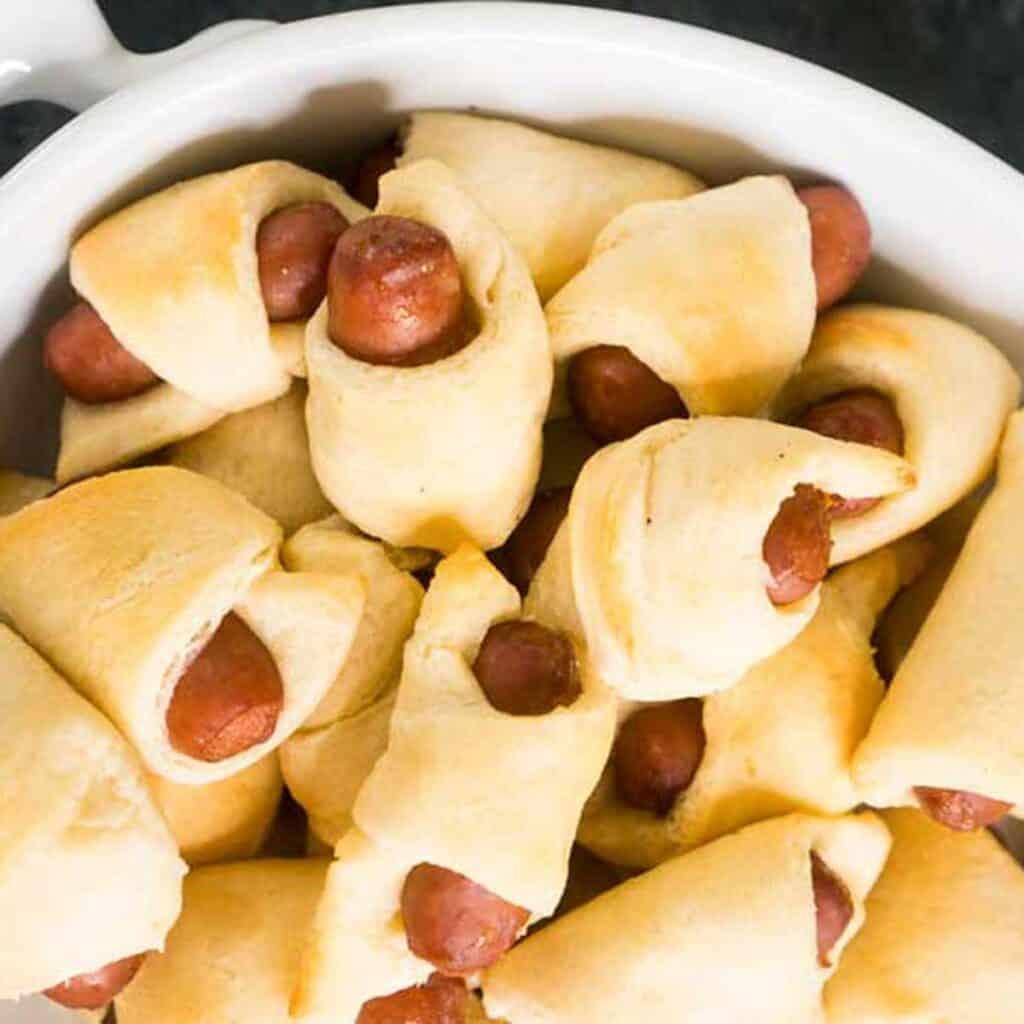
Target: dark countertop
[[962, 61]]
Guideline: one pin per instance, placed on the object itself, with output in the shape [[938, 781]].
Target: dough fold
[[951, 717], [953, 391], [714, 293], [81, 840], [550, 195], [446, 453], [132, 572], [723, 934]]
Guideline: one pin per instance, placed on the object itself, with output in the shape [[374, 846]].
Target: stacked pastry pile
[[535, 530]]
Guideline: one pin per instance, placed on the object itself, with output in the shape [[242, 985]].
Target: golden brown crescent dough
[[134, 570], [221, 821], [720, 935], [82, 843], [492, 796], [783, 738], [263, 454], [659, 564], [550, 195], [951, 718], [953, 391], [456, 457], [943, 938], [326, 761], [175, 278], [714, 293], [234, 953]]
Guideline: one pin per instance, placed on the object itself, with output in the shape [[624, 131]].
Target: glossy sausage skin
[[395, 294], [840, 240], [523, 552], [525, 668], [959, 810], [614, 395], [861, 416], [657, 753], [91, 365], [371, 169], [458, 926], [293, 249], [797, 544], [229, 698], [440, 1001], [93, 990], [833, 907]]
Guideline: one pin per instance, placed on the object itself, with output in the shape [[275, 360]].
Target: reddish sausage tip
[[797, 544], [840, 240], [93, 990], [657, 753], [833, 907], [863, 417], [371, 169], [395, 294], [440, 1001], [293, 247], [229, 698], [458, 926], [525, 668], [959, 810], [91, 365], [614, 395], [523, 552]]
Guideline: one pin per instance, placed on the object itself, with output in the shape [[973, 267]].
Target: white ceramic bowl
[[948, 217]]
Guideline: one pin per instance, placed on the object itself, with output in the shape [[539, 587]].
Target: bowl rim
[[106, 125]]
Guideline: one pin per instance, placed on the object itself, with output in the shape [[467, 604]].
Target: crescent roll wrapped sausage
[[920, 384], [673, 540], [550, 195], [715, 294], [82, 843], [448, 451], [326, 762], [156, 592], [263, 454], [225, 820], [942, 940], [177, 290], [781, 740], [234, 953], [726, 933], [947, 735], [464, 827]]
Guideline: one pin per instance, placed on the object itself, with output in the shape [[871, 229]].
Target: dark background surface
[[962, 61]]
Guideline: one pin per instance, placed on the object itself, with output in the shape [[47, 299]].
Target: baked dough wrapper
[[783, 738], [118, 580], [723, 934], [234, 953], [953, 391], [951, 718], [221, 821], [436, 455], [492, 796], [81, 840], [659, 564], [551, 196], [943, 938], [326, 762], [263, 454], [18, 490], [175, 277], [714, 293]]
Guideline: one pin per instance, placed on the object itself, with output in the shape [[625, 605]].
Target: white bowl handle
[[63, 51]]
